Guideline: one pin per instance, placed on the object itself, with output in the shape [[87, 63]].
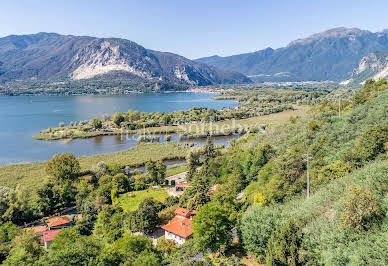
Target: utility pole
[[308, 158]]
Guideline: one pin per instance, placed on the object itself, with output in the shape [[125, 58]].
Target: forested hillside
[[49, 58], [329, 55], [249, 199]]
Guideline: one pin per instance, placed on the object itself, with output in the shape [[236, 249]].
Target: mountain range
[[342, 55], [51, 56], [330, 55]]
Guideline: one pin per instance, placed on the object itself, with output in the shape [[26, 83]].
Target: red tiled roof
[[179, 226], [182, 212], [182, 185], [37, 229], [58, 221], [50, 235]]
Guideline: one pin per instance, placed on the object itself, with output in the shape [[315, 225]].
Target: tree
[[161, 171], [63, 167], [25, 249], [146, 216], [209, 152], [256, 229], [166, 214], [8, 231], [109, 224], [118, 118], [193, 161], [96, 123], [70, 248], [120, 182], [166, 246], [291, 165], [48, 198], [152, 171], [4, 192], [361, 209], [18, 208], [147, 259], [284, 245], [100, 169], [212, 227], [68, 194], [125, 250]]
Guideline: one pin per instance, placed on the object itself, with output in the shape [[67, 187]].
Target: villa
[[179, 228]]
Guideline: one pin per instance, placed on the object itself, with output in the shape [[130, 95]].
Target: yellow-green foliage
[[369, 89], [361, 209], [333, 171], [259, 200], [130, 201]]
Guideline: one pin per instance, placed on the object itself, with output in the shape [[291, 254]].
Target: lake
[[22, 117]]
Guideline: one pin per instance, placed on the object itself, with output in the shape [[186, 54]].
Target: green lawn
[[130, 204]]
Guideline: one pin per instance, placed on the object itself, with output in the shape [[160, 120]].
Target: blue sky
[[193, 28]]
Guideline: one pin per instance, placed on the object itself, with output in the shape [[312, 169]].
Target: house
[[58, 222], [37, 229], [179, 228], [185, 213], [48, 236], [181, 186]]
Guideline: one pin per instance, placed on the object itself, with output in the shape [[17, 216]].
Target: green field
[[130, 201], [33, 175], [175, 169]]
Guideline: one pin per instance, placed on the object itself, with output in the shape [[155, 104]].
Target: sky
[[195, 28]]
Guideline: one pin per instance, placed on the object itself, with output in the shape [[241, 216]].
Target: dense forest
[[258, 212]]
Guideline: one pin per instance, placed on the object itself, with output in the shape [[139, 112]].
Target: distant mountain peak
[[339, 32], [326, 56]]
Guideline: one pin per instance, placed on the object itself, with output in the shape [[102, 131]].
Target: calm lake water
[[22, 117]]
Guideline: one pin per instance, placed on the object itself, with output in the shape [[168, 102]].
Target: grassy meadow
[[130, 201]]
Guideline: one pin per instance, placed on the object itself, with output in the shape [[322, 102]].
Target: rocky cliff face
[[330, 55], [372, 66], [57, 57]]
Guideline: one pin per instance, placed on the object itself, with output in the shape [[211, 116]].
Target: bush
[[284, 245], [361, 210], [333, 171], [256, 229]]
